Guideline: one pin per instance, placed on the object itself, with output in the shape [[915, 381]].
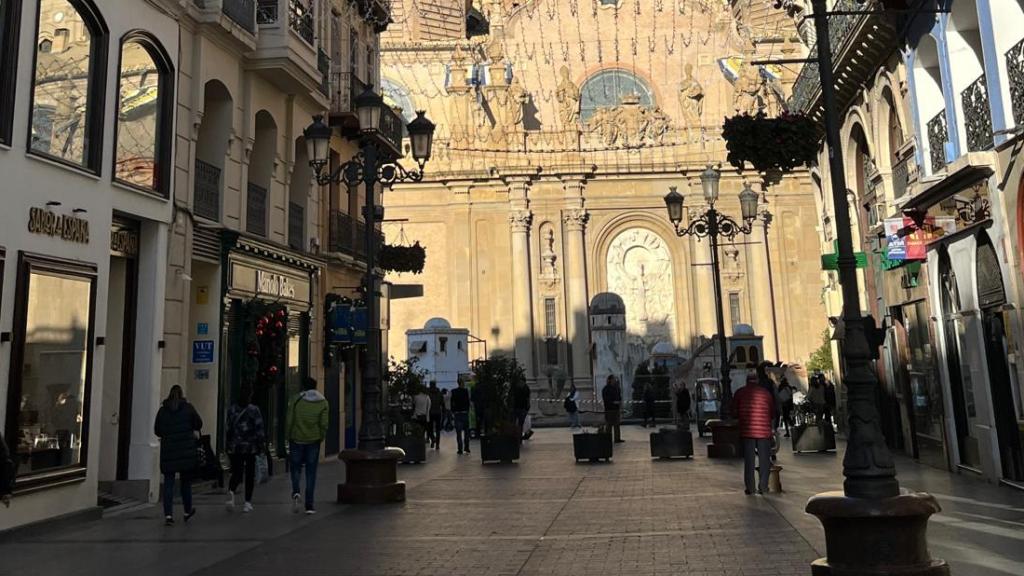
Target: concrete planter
[[592, 446], [499, 448], [813, 438], [415, 448], [671, 443]]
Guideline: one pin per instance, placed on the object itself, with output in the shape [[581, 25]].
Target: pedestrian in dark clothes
[[177, 425], [649, 406], [245, 440], [683, 402], [611, 396]]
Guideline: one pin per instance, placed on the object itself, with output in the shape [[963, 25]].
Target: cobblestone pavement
[[545, 515]]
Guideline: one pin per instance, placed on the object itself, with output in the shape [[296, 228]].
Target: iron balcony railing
[[938, 135], [206, 198], [901, 177], [300, 18], [977, 115], [266, 12], [1015, 72], [391, 128], [256, 210], [296, 226], [808, 81], [323, 65], [241, 12], [347, 235]]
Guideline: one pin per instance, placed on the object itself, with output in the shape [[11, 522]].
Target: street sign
[[831, 261], [202, 352]]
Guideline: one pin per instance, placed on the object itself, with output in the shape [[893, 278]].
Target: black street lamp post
[[715, 225], [370, 470]]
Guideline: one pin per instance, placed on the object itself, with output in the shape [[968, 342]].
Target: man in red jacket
[[753, 407]]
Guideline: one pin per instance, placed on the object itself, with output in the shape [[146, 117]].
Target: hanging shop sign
[[47, 223], [908, 241], [268, 282], [348, 323]]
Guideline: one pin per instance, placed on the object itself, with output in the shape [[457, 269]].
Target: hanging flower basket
[[396, 258], [770, 144]]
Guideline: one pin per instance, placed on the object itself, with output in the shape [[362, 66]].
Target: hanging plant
[[770, 144], [398, 258]]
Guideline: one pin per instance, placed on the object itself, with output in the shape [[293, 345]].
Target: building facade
[[86, 143], [929, 141], [546, 188]]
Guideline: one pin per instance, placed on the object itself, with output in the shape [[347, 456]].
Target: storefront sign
[[348, 324], [124, 242], [202, 352], [907, 241], [202, 328], [47, 223], [274, 284]]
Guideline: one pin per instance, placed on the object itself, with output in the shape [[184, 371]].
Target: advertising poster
[[906, 241]]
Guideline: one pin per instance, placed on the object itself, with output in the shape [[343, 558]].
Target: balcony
[[901, 176], [859, 43], [234, 19], [347, 235], [206, 198], [345, 87], [1015, 71], [286, 48], [256, 210], [323, 65], [938, 135], [375, 12], [977, 115]]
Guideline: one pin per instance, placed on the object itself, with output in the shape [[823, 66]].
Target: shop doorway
[[991, 298], [965, 413]]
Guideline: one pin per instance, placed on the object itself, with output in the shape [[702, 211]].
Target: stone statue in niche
[[568, 96], [732, 268], [691, 100], [548, 256]]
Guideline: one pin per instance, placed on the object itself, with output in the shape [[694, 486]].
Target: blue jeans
[[307, 455], [186, 492], [462, 430]]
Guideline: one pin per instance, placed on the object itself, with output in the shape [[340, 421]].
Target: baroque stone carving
[[576, 219], [630, 124], [520, 220], [691, 100], [640, 271], [548, 256], [568, 96]]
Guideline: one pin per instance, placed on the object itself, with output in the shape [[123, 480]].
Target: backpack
[[569, 404]]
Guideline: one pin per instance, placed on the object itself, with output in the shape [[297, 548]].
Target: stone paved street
[[544, 516]]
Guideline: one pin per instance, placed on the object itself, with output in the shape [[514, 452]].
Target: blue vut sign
[[202, 352]]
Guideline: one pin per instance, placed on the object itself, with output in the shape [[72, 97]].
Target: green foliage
[[495, 378], [767, 144], [397, 258], [821, 359], [404, 380]]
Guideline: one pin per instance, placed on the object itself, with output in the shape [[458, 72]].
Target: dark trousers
[[481, 421], [186, 492], [521, 420], [243, 463], [649, 414], [763, 446], [435, 430], [787, 415], [613, 419], [308, 456], [462, 430]]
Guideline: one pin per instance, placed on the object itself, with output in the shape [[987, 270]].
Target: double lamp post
[[371, 470]]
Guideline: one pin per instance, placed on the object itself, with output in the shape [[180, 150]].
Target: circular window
[[608, 88]]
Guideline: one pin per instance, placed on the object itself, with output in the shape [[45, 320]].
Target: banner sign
[[908, 242], [348, 324]]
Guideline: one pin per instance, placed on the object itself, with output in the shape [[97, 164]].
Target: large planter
[[499, 448], [592, 446], [415, 448], [671, 443], [725, 438], [813, 438]]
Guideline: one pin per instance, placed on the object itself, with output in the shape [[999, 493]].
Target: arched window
[[10, 16], [397, 96], [68, 83], [144, 115], [608, 88]]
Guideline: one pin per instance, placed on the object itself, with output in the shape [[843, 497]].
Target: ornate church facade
[[561, 126]]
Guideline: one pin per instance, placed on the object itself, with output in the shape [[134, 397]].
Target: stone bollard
[[775, 479]]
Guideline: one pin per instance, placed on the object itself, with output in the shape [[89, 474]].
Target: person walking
[[611, 396], [421, 411], [521, 405], [785, 395], [436, 415], [649, 405], [816, 395], [307, 427], [7, 473], [460, 413], [446, 412], [830, 400], [683, 401], [752, 405], [572, 406], [177, 426], [245, 439]]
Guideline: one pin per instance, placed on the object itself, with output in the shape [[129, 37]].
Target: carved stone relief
[[639, 268], [630, 124]]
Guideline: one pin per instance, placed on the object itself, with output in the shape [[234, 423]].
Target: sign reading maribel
[[274, 284], [70, 228]]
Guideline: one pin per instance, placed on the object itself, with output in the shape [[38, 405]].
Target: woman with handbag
[[177, 425], [245, 441]]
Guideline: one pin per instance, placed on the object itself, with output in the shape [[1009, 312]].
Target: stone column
[[522, 291], [575, 221]]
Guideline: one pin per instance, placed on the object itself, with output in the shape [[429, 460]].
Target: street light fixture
[[714, 225], [370, 470]]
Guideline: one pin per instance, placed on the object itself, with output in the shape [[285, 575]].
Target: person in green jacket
[[307, 426]]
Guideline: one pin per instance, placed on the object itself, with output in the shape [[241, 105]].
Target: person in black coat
[[7, 472], [177, 425], [521, 406], [611, 396], [683, 402]]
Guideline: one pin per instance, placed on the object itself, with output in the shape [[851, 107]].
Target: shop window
[[51, 369], [10, 17], [68, 84], [144, 116]]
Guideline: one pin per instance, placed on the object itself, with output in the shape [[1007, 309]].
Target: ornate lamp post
[[371, 470], [715, 225]]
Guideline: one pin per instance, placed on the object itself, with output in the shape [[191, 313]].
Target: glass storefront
[[924, 385]]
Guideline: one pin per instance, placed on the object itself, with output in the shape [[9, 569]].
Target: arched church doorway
[[965, 413]]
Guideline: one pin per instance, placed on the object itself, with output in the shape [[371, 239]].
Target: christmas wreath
[[770, 144], [266, 335], [397, 258]]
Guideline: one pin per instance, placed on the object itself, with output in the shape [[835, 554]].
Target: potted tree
[[404, 381], [495, 377], [592, 446], [811, 432], [672, 443]]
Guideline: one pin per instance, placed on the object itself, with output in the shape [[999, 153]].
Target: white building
[[87, 93], [441, 351]]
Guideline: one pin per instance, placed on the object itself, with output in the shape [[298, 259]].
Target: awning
[[961, 177], [418, 346]]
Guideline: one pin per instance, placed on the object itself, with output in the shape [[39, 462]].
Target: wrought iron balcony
[[241, 12], [323, 64], [256, 210], [296, 226], [391, 128], [977, 115], [1015, 71], [938, 135], [347, 235], [286, 49], [266, 12], [206, 198], [345, 86], [300, 18], [375, 12]]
